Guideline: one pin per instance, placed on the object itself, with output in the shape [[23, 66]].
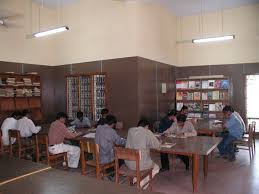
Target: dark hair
[[228, 108], [104, 111], [181, 118], [110, 119], [172, 113], [143, 122], [16, 114], [26, 112], [184, 108], [79, 114], [61, 115]]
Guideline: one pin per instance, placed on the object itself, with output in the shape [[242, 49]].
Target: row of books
[[198, 107], [210, 95], [19, 92], [202, 115], [205, 84], [12, 82]]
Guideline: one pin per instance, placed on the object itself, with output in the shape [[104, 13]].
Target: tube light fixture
[[51, 31], [213, 39]]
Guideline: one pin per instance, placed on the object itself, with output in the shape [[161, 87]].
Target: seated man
[[104, 114], [9, 123], [235, 130], [26, 126], [182, 128], [57, 133], [141, 138], [106, 137], [81, 121], [164, 124]]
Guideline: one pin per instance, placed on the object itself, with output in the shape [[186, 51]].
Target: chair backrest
[[250, 132], [13, 133], [42, 140], [91, 148], [254, 126]]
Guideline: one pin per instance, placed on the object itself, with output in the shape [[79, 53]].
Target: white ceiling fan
[[9, 20]]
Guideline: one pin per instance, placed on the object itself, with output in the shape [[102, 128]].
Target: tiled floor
[[238, 177]]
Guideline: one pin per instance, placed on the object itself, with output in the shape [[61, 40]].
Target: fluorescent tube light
[[213, 39], [52, 31]]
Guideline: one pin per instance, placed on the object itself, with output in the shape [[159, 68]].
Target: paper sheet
[[89, 135]]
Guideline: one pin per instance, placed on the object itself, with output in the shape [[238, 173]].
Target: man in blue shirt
[[166, 123], [235, 130]]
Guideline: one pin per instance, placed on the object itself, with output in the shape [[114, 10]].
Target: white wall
[[243, 22]]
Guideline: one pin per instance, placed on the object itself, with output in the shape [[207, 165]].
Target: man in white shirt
[[9, 123], [141, 138], [26, 126]]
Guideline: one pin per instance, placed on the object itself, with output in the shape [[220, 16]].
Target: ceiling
[[178, 7]]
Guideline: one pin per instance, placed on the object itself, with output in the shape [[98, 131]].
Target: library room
[[129, 96]]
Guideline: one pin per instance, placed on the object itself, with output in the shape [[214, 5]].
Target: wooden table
[[62, 182], [208, 127], [194, 147], [12, 169]]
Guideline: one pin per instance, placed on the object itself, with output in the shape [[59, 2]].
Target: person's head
[[172, 114], [181, 118], [104, 112], [80, 115], [184, 110], [144, 123], [16, 115], [111, 121], [26, 113], [62, 117], [227, 111]]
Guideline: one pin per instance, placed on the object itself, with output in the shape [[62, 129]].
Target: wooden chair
[[253, 132], [246, 143], [131, 155], [93, 148], [43, 150], [22, 144]]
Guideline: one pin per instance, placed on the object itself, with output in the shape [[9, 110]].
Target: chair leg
[[250, 156], [66, 161], [150, 181]]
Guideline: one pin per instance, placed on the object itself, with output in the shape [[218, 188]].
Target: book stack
[[19, 83], [27, 81], [2, 92], [36, 84], [10, 81], [19, 92], [28, 92], [36, 92], [9, 92]]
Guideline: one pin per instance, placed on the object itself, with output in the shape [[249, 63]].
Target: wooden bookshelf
[[87, 93], [19, 92], [205, 98]]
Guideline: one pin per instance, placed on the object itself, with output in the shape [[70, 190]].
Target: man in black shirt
[[166, 123]]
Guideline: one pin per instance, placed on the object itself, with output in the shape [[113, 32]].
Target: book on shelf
[[189, 95], [194, 107], [179, 95], [179, 106], [223, 95], [225, 84], [212, 107], [185, 95], [197, 84], [197, 115], [217, 84], [190, 115], [181, 84], [191, 84], [218, 106], [211, 84], [205, 84], [204, 96], [196, 96], [215, 95], [212, 116], [205, 115], [209, 95], [205, 107]]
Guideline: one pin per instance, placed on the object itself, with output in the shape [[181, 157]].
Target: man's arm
[[190, 130], [152, 140], [118, 140]]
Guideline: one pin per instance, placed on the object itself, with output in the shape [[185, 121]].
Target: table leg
[[205, 166], [195, 172]]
